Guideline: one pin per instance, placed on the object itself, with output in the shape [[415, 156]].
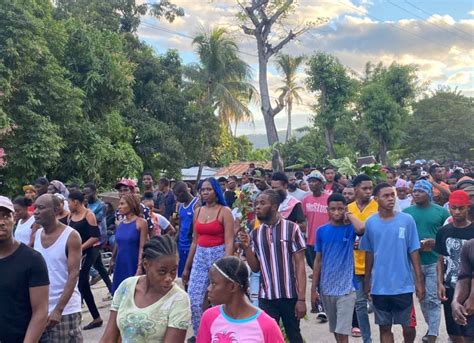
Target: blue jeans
[[430, 305], [361, 309], [254, 287]]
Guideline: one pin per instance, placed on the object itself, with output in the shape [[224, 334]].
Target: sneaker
[[108, 297], [95, 279], [323, 318]]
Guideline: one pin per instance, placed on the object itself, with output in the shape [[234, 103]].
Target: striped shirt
[[274, 246]]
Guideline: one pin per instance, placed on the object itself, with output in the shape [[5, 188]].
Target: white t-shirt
[[401, 204], [23, 230], [299, 194]]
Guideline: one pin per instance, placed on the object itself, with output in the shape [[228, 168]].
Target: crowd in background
[[371, 242]]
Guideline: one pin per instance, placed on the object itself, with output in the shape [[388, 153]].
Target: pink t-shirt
[[316, 211], [217, 327]]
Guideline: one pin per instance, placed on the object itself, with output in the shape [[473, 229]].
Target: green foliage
[[384, 102], [81, 101], [344, 166], [441, 127], [309, 149], [336, 91]]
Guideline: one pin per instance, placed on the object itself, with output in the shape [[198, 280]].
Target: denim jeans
[[361, 310], [254, 287], [430, 305]]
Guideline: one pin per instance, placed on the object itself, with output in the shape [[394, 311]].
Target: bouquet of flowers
[[244, 206]]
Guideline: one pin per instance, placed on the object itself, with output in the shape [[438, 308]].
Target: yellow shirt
[[370, 209]]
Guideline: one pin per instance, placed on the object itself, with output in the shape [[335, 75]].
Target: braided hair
[[236, 270], [159, 246]]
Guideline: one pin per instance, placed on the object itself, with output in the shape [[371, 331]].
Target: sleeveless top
[[85, 230], [56, 261], [186, 215], [210, 234], [23, 230]]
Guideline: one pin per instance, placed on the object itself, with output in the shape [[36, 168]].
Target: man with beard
[[276, 249], [294, 190]]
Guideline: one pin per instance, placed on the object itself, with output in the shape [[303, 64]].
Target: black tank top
[[85, 230]]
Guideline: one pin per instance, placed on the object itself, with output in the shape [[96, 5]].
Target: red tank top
[[210, 234]]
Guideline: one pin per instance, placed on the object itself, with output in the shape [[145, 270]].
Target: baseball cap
[[6, 203], [125, 182], [316, 174]]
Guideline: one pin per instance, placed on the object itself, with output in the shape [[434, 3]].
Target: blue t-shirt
[[186, 215], [336, 245], [391, 242]]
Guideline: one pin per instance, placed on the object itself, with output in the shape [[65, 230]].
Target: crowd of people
[[190, 261]]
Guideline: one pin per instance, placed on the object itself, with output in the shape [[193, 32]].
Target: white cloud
[[460, 78]]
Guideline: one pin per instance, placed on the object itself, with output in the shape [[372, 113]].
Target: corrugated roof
[[238, 168]]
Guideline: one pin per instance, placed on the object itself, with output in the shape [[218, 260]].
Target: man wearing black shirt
[[449, 242], [23, 285]]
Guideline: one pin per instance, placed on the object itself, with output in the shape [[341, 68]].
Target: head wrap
[[401, 183], [61, 188], [316, 174], [424, 186], [29, 188], [465, 180], [459, 198]]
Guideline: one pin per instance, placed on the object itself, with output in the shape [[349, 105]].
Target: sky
[[435, 35]]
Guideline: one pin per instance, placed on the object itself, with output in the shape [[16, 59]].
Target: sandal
[[356, 332], [93, 325]]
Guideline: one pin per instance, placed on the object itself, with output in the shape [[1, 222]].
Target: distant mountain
[[260, 140]]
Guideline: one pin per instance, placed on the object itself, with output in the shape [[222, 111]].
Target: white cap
[[6, 203]]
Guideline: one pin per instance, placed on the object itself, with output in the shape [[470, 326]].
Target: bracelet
[[304, 300]]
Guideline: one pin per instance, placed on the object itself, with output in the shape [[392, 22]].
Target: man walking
[[23, 285], [333, 270], [60, 246], [449, 243], [363, 207], [187, 204], [391, 244], [429, 218], [276, 249]]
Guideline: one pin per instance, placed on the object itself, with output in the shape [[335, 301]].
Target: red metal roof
[[238, 168]]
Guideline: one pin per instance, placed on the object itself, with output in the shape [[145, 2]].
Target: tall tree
[[288, 67], [223, 75], [259, 18], [336, 89], [384, 102], [441, 127]]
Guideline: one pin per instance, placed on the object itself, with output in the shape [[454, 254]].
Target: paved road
[[312, 330]]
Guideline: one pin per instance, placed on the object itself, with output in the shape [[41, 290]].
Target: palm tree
[[288, 66], [224, 76]]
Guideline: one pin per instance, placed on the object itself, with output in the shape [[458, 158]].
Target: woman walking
[[213, 237], [130, 237], [150, 308], [83, 220]]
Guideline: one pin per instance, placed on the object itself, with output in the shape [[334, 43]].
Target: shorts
[[393, 309], [451, 326], [68, 330], [339, 310]]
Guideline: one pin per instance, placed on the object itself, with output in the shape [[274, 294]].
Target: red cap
[[459, 198], [125, 182]]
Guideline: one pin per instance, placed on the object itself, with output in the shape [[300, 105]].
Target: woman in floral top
[[151, 308]]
